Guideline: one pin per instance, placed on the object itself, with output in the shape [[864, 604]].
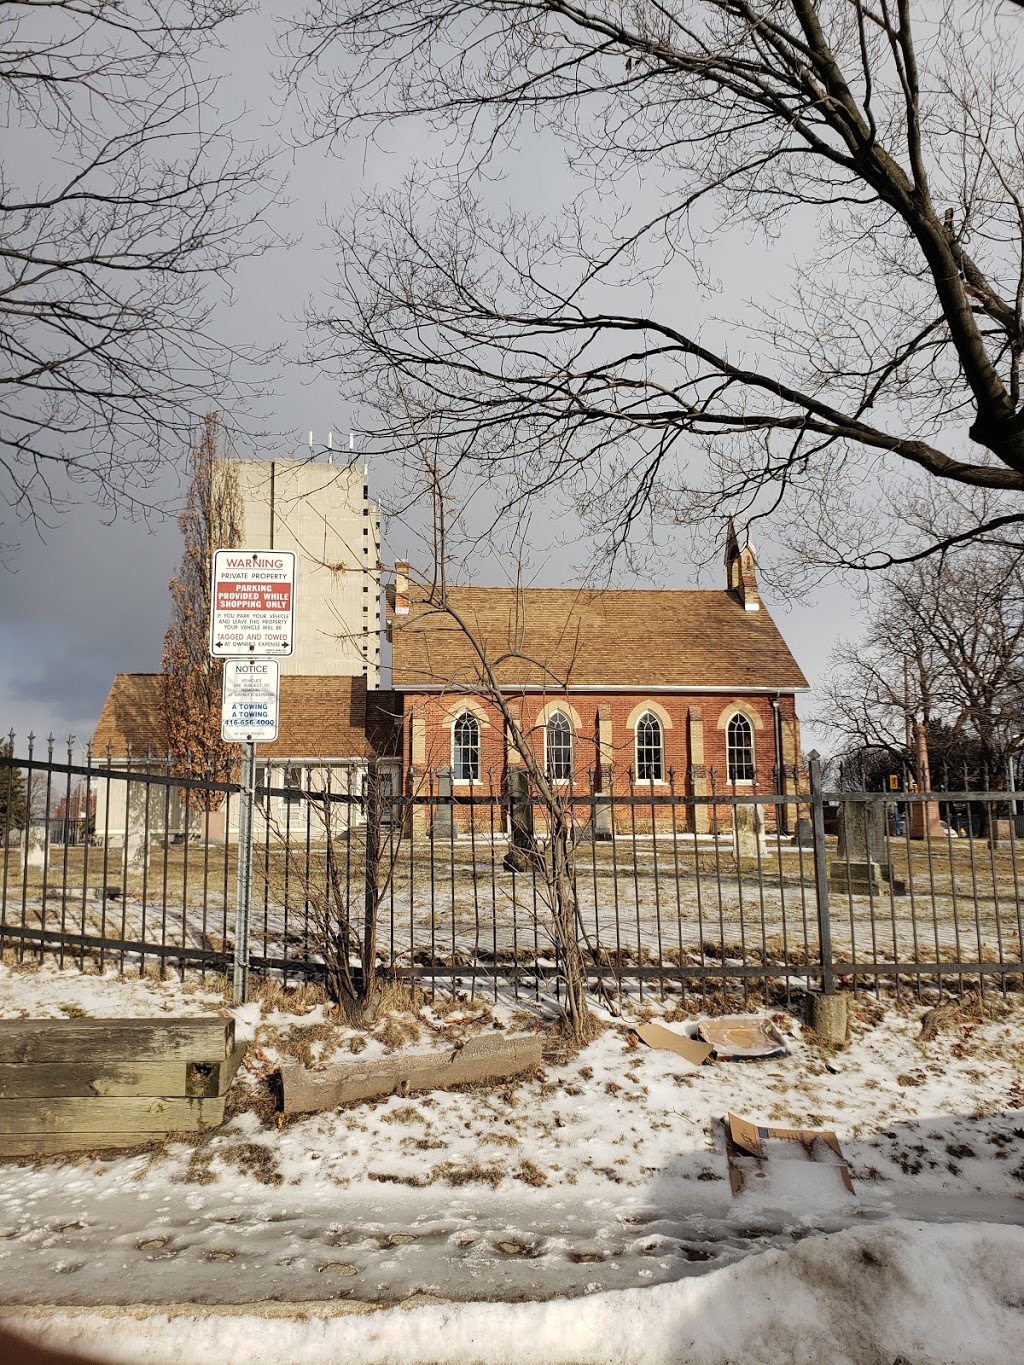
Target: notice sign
[[249, 709], [253, 603]]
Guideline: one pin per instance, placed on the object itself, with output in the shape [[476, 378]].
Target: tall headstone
[[443, 825], [861, 867], [924, 815], [748, 830], [35, 846], [523, 850], [137, 851], [603, 807]]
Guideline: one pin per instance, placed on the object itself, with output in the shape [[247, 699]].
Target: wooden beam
[[123, 1113], [115, 1040], [171, 1079], [52, 1144], [485, 1058]]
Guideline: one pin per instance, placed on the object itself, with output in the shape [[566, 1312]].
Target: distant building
[[323, 513], [619, 691], [321, 745]]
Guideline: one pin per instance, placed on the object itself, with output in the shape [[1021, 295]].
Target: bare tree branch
[[121, 201], [887, 140]]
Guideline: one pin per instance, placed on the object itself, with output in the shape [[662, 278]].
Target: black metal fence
[[741, 891]]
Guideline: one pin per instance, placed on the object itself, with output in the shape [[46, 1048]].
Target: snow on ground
[[599, 1187]]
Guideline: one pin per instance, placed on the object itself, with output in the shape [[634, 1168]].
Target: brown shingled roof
[[132, 716], [320, 717], [615, 638]]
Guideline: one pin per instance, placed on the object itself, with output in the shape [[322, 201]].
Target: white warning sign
[[252, 603], [250, 701]]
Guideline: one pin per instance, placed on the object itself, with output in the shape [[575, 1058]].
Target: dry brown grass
[[252, 1158], [251, 1094], [275, 997], [297, 1041], [530, 1174], [396, 1031]]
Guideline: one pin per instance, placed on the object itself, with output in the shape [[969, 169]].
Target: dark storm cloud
[[89, 602]]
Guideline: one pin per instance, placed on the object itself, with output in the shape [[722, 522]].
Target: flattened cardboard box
[[744, 1139], [656, 1035]]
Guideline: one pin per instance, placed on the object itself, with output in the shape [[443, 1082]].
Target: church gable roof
[[595, 638]]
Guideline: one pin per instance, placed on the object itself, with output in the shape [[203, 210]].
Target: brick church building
[[619, 691]]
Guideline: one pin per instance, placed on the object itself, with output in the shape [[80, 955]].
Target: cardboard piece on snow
[[745, 1139], [656, 1035], [743, 1038]]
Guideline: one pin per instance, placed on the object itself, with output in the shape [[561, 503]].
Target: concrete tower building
[[323, 513]]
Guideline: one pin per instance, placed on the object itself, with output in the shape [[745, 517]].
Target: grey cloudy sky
[[90, 599]]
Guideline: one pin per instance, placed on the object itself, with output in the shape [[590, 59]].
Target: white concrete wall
[[323, 513], [124, 807], [115, 821], [297, 817]]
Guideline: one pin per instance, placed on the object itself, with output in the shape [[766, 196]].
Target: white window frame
[[457, 773], [568, 730], [730, 778], [649, 715]]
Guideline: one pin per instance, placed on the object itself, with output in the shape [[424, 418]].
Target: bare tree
[[346, 832], [944, 645], [13, 794], [552, 861], [122, 201], [555, 861], [193, 681], [582, 347]]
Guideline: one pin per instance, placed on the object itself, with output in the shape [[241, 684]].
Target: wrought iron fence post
[[821, 873]]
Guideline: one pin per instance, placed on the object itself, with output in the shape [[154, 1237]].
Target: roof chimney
[[740, 569], [402, 587]]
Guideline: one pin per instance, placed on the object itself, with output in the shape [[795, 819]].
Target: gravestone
[[35, 846], [137, 852], [603, 809], [443, 825], [748, 831], [523, 852], [804, 836], [861, 866], [1000, 832]]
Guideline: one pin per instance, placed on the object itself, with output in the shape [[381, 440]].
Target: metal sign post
[[252, 620], [240, 980], [248, 713]]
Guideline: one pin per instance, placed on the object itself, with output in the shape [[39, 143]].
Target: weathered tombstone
[[861, 865], [1000, 832], [35, 846], [603, 808], [748, 831], [523, 851], [137, 850], [443, 825], [804, 836]]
